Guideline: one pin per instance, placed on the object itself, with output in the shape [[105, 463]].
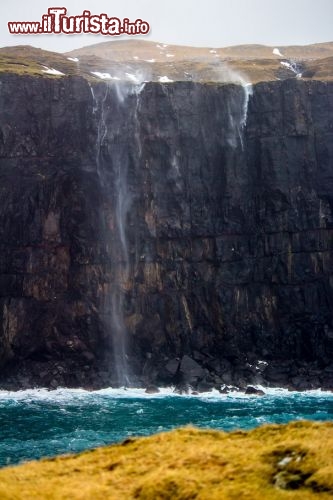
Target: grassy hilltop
[[145, 60]]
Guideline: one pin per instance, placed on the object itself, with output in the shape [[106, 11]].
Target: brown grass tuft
[[293, 461]]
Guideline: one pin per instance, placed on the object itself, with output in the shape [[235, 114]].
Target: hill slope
[[294, 461]]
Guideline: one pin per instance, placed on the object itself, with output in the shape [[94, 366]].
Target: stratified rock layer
[[276, 462], [228, 229]]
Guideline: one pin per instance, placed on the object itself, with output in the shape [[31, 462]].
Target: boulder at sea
[[253, 390]]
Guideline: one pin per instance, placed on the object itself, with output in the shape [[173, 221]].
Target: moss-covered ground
[[293, 461]]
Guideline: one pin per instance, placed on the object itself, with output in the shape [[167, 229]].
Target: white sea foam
[[67, 395]]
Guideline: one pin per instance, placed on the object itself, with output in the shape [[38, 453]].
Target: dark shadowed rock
[[229, 232], [205, 386], [152, 389], [190, 370], [253, 390], [173, 366]]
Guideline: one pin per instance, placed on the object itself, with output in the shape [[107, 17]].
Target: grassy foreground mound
[[293, 461]]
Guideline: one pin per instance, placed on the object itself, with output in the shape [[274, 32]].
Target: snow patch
[[170, 55], [132, 77], [135, 57], [164, 79], [150, 60], [276, 52], [74, 59], [286, 64], [292, 66], [213, 51], [51, 71], [104, 76]]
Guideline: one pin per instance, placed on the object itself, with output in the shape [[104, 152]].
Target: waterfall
[[122, 270], [237, 108], [238, 114], [248, 91], [99, 107], [117, 109]]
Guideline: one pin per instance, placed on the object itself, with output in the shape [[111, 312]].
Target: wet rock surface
[[228, 227]]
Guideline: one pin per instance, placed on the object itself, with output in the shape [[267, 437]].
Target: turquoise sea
[[39, 423]]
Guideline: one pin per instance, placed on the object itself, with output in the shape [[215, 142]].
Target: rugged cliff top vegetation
[[138, 61], [293, 461]]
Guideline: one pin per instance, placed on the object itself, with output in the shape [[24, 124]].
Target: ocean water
[[39, 423]]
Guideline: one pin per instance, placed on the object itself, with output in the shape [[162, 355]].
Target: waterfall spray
[[117, 109], [125, 92], [237, 110]]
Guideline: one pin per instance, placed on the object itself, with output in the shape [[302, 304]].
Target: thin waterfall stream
[[117, 110]]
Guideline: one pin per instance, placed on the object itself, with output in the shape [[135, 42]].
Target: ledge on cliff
[[275, 462]]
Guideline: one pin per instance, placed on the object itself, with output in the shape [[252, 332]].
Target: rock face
[[197, 226]]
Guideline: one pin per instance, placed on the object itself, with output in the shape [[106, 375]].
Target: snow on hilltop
[[124, 59]]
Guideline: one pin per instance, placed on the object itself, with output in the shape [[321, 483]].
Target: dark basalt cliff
[[200, 230]]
